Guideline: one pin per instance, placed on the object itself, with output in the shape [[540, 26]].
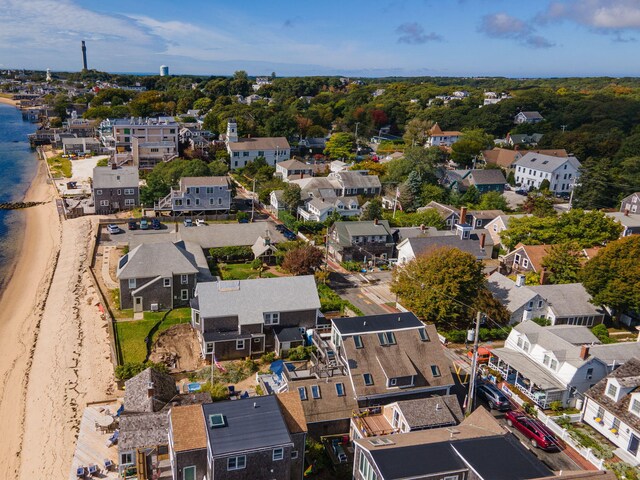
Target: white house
[[294, 168], [318, 209], [612, 408], [557, 363], [245, 150], [528, 117], [533, 168], [441, 138]]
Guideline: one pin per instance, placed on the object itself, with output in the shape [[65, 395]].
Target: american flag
[[218, 364]]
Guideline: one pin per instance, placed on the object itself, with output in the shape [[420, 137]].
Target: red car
[[539, 435]]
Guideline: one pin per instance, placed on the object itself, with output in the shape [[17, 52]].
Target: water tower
[[164, 71]]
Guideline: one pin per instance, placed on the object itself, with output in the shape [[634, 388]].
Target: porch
[[528, 377]]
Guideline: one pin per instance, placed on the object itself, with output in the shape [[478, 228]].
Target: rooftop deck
[[370, 422], [91, 447]]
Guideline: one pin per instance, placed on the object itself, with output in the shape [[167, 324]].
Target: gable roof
[[294, 164], [507, 293], [535, 254], [162, 259], [531, 115], [545, 163], [620, 409], [121, 177], [490, 176], [249, 424], [376, 323], [422, 245], [222, 181], [292, 411], [349, 179], [143, 430], [570, 299], [136, 395], [347, 230], [259, 143], [503, 157], [249, 299], [408, 356]]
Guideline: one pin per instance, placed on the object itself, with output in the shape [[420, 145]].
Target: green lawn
[[60, 167], [131, 334], [241, 271]]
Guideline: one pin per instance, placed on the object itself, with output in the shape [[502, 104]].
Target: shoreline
[[9, 101]]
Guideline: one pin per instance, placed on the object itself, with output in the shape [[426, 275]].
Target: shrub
[[131, 369], [251, 365], [242, 216], [256, 264], [218, 391], [259, 390], [351, 265], [602, 333], [268, 357], [301, 353], [231, 254], [529, 408], [556, 406]]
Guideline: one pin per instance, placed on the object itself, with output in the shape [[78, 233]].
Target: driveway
[[513, 199]]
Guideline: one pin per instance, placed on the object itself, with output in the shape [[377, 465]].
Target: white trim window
[[278, 454], [271, 318], [634, 407], [612, 390], [129, 202], [184, 279], [209, 348], [236, 463], [104, 203], [184, 294], [166, 282], [132, 283], [240, 344]]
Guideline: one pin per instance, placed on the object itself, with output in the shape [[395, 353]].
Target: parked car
[[144, 224], [188, 222], [280, 227], [113, 229], [537, 433], [288, 234], [521, 191], [338, 450], [496, 400], [155, 224], [200, 222], [132, 224]]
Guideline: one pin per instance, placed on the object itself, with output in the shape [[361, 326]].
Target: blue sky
[[349, 37]]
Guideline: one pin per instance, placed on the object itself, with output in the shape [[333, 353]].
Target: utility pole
[[395, 201], [357, 144], [253, 199], [564, 127], [474, 363]]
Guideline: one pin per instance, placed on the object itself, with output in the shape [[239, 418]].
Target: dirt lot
[[178, 347]]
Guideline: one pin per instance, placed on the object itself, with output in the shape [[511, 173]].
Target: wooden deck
[[91, 446], [375, 425]]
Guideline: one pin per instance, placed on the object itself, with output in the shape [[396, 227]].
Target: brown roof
[[189, 430], [535, 253], [259, 143], [409, 356], [203, 181], [503, 157], [330, 406], [292, 411], [436, 130]]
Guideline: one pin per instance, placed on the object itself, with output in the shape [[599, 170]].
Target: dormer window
[[612, 390], [634, 407]]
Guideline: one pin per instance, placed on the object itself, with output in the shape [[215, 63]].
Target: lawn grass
[[60, 167], [131, 334], [240, 271]]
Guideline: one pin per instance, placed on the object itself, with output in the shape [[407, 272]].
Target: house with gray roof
[[293, 167], [484, 180], [115, 189], [319, 209], [533, 168], [524, 139], [158, 276], [259, 437], [237, 318], [528, 117], [612, 408], [360, 241], [557, 363], [629, 221], [208, 195]]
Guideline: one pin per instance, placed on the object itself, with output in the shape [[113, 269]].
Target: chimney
[[150, 390], [584, 352], [483, 237], [520, 280], [543, 277], [301, 174], [375, 221], [626, 212], [422, 227], [463, 215]]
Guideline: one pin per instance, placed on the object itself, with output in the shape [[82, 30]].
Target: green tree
[[613, 275], [218, 391], [493, 201], [432, 193], [416, 132], [539, 204], [339, 145], [545, 185], [471, 196], [414, 185], [563, 262], [511, 178], [602, 333], [218, 168], [373, 210], [303, 260], [469, 146], [292, 196], [530, 231], [437, 285]]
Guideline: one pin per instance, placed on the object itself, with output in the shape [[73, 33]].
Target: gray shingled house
[[157, 276], [237, 318], [258, 438], [115, 189], [360, 240]]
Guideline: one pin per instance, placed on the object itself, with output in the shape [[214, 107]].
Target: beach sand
[[8, 101], [54, 351]]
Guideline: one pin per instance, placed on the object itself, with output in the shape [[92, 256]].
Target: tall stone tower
[[232, 131], [84, 56]]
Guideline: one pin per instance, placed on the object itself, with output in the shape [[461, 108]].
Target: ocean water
[[18, 165]]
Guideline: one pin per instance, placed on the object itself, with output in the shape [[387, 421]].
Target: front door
[[137, 304], [633, 445]]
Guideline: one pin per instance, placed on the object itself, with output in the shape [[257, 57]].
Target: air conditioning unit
[[154, 307]]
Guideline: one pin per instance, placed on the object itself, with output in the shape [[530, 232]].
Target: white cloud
[[501, 25], [604, 15]]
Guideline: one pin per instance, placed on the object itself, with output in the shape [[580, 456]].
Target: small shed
[[288, 338]]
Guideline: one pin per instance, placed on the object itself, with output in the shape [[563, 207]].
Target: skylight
[[216, 420], [315, 391], [302, 391], [423, 334], [357, 339], [368, 379]]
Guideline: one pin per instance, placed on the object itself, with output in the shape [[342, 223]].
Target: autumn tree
[[416, 132], [470, 144], [492, 201], [303, 260], [563, 263], [613, 275], [339, 145], [539, 204], [437, 285]]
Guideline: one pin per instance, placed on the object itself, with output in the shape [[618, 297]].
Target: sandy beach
[[54, 354], [8, 101]]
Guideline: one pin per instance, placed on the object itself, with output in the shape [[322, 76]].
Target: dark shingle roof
[[250, 424], [490, 176], [423, 245], [136, 397], [408, 462], [431, 412], [376, 323]]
